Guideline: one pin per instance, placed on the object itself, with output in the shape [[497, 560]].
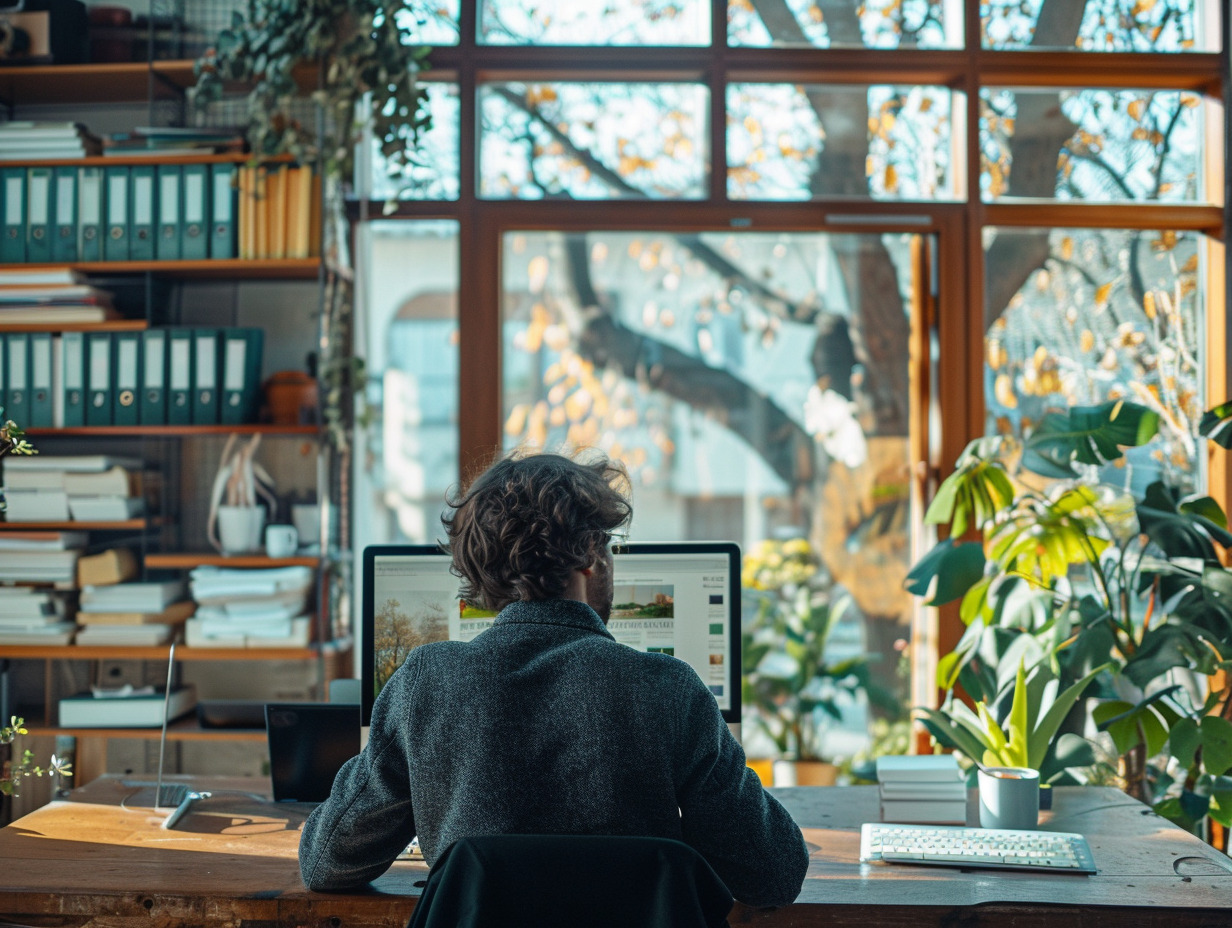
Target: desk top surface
[[237, 852]]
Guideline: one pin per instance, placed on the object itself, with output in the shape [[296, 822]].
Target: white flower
[[830, 419]]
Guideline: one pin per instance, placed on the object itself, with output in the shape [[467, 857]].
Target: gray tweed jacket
[[544, 724]]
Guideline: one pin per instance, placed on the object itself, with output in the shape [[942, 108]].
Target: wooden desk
[[93, 862]]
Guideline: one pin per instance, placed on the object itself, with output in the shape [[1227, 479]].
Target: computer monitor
[[681, 599]]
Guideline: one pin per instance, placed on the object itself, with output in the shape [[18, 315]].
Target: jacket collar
[[567, 612]]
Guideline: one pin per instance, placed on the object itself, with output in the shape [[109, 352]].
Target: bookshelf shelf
[[172, 431], [176, 731], [76, 652], [126, 82], [80, 526], [245, 269], [187, 561], [112, 325]]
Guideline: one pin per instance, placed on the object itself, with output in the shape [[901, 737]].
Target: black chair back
[[571, 881]]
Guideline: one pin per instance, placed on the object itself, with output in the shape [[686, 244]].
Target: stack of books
[[59, 488], [41, 141], [259, 608], [40, 557], [51, 296], [30, 616], [132, 614], [169, 142], [926, 788]]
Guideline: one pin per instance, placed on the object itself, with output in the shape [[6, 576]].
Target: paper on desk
[[121, 692]]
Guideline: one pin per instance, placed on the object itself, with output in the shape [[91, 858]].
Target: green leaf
[[1216, 744], [1046, 728], [1216, 424], [1016, 747], [1184, 740], [955, 567], [1087, 435], [1194, 805]]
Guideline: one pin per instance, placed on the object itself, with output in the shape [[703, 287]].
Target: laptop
[[308, 743]]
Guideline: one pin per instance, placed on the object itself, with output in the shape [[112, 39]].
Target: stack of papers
[[239, 608], [40, 557], [30, 616], [51, 296], [37, 141], [926, 788], [135, 628]]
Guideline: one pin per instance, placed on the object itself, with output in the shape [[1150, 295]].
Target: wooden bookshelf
[[110, 325], [126, 525], [241, 268], [124, 82], [172, 431], [98, 652], [187, 561]]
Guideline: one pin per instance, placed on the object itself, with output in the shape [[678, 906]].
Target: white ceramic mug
[[281, 540], [239, 528], [307, 519], [1009, 797]]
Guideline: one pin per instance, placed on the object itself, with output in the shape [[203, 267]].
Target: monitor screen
[[681, 599]]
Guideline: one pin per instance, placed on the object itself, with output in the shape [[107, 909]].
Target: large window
[[784, 259]]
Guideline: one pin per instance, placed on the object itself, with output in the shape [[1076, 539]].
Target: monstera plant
[[1084, 583]]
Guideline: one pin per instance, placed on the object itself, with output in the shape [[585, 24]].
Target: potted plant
[[236, 517], [792, 690], [1085, 577]]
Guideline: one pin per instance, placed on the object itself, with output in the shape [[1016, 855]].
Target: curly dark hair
[[527, 522]]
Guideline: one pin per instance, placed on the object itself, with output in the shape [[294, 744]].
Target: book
[[105, 508], [40, 277], [85, 710], [172, 615], [195, 636], [147, 596], [918, 768], [43, 505], [115, 565], [114, 481], [70, 463], [125, 635], [924, 789], [58, 633], [42, 541], [39, 566], [925, 811]]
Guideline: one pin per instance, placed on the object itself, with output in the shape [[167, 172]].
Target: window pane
[[594, 141], [1102, 25], [594, 22], [436, 23], [435, 174], [801, 142], [1088, 316], [755, 385], [409, 336], [845, 23], [1091, 144]]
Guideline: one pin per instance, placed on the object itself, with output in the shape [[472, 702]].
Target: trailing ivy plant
[[1086, 579], [359, 62]]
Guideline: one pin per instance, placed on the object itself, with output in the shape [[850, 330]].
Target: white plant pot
[[239, 528]]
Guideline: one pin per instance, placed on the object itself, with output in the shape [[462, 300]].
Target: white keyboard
[[956, 846]]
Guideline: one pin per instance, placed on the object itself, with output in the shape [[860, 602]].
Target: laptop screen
[[308, 743], [681, 599]]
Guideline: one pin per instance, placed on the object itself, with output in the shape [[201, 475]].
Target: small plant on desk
[[17, 770]]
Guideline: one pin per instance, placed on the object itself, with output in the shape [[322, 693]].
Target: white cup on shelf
[[281, 540]]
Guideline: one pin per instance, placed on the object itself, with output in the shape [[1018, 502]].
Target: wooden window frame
[[960, 268]]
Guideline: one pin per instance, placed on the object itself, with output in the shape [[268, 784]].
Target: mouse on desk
[[182, 809]]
